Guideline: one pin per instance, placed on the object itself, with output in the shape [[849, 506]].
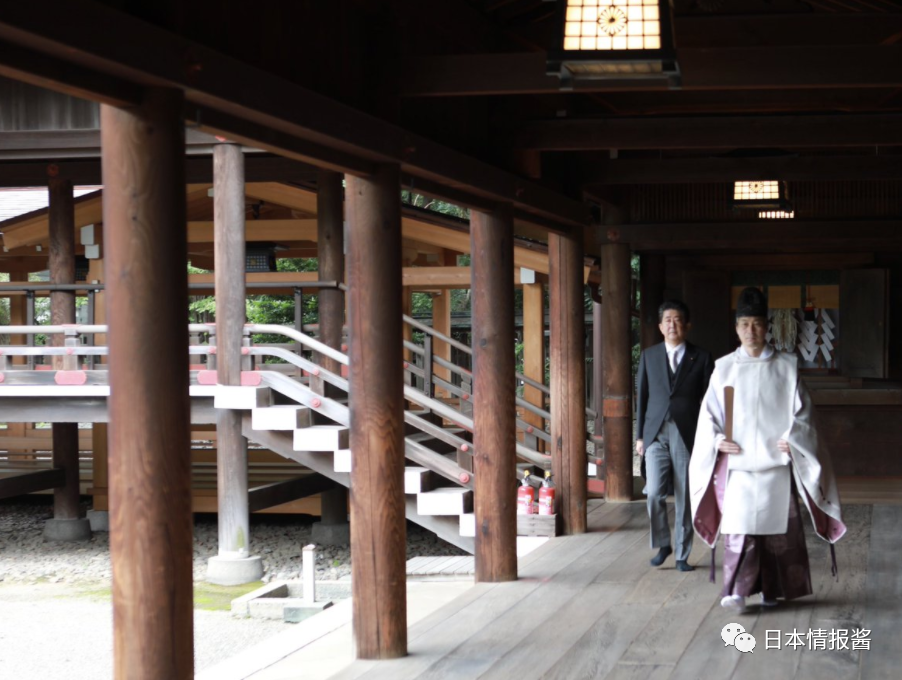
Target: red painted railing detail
[[251, 378], [206, 377], [70, 378]]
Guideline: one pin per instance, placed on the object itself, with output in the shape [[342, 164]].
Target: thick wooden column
[[234, 564], [617, 403], [333, 529], [150, 469], [61, 215], [534, 352], [494, 415], [378, 528], [651, 296], [568, 381]]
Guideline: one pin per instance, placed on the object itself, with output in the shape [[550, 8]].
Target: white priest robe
[[770, 403]]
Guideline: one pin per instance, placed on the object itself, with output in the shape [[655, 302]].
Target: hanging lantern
[[604, 39], [768, 195]]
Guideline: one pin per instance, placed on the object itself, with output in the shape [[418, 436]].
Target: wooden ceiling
[[456, 91]]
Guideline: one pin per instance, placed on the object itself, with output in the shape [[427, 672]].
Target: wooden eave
[[80, 53]]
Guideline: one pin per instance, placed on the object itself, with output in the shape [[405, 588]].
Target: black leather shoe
[[662, 555], [683, 565]]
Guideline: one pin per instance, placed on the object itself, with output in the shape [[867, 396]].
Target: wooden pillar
[[17, 317], [99, 434], [598, 384], [534, 352], [494, 415], [617, 403], [651, 296], [331, 262], [61, 216], [568, 380], [406, 330], [233, 565], [441, 322], [150, 470], [378, 525]]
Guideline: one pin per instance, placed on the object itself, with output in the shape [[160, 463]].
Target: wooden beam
[[568, 381], [680, 171], [278, 231], [58, 74], [270, 495], [198, 170], [494, 413], [378, 525], [784, 236], [774, 261], [29, 482], [726, 69], [150, 475], [617, 402], [711, 132], [254, 106], [34, 227]]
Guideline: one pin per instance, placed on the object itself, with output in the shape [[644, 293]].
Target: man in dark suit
[[672, 380]]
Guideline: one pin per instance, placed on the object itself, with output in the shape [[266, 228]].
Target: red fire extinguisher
[[546, 495], [526, 496]]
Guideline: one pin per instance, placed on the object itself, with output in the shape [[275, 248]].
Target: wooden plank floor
[[590, 606]]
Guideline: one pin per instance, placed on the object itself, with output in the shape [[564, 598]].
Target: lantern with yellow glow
[[603, 39]]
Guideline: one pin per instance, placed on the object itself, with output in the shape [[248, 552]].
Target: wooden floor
[[590, 606]]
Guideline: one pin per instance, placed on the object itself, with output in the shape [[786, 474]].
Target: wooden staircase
[[431, 500]]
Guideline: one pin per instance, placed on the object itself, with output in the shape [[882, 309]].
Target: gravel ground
[[25, 557], [56, 619]]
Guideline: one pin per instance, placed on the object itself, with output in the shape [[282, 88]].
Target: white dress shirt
[[675, 355]]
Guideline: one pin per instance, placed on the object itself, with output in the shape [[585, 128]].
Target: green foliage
[[419, 201]]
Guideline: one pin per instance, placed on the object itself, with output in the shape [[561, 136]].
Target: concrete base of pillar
[[331, 534], [99, 519], [234, 571], [67, 530]]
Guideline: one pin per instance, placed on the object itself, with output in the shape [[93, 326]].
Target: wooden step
[[321, 438], [343, 460], [452, 500], [468, 524], [418, 479], [240, 397], [281, 417]]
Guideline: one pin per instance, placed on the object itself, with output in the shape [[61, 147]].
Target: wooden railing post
[[568, 380], [67, 523], [378, 524], [150, 473], [234, 564], [494, 414], [428, 370], [617, 403]]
